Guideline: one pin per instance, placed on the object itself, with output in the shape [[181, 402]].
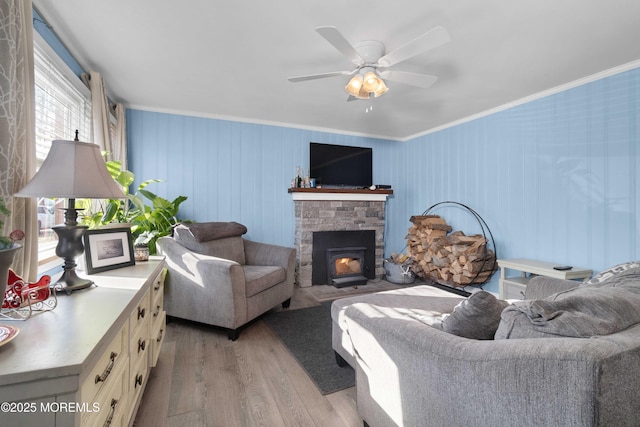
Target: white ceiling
[[230, 59]]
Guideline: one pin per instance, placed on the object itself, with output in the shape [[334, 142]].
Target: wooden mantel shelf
[[340, 194], [341, 190]]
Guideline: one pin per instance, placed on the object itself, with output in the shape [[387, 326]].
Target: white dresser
[[86, 363]]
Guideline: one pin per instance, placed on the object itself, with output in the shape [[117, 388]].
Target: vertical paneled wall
[[556, 179], [230, 171]]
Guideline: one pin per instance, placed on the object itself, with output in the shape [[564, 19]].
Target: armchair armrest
[[257, 253], [541, 287]]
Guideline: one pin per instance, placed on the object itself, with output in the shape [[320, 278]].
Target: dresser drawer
[[112, 401], [139, 348], [110, 362], [137, 381], [157, 307], [158, 331], [140, 316], [157, 287]]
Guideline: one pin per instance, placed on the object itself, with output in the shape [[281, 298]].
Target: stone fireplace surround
[[336, 210]]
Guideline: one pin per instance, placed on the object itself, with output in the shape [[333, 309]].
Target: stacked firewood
[[454, 259]]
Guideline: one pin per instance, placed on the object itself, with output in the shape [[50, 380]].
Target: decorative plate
[[7, 333]]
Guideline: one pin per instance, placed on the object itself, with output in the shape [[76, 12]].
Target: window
[[63, 104]]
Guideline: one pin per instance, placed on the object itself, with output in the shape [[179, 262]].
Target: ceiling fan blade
[[429, 40], [412, 79], [319, 76], [337, 40]]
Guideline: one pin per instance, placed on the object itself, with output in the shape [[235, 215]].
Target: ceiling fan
[[372, 63]]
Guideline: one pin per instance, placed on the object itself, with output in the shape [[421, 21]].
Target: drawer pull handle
[[112, 412], [157, 286], [155, 313], [160, 335], [140, 313], [141, 345], [138, 381], [107, 371]]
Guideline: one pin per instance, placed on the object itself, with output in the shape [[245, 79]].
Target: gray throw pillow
[[611, 272], [207, 231], [476, 317]]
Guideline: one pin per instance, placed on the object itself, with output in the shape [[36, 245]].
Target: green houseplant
[[149, 215]]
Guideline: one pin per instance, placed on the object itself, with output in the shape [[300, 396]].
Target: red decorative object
[[16, 235], [20, 293]]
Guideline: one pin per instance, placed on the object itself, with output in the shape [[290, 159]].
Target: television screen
[[340, 165]]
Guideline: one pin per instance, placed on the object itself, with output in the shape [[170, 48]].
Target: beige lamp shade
[[73, 170]]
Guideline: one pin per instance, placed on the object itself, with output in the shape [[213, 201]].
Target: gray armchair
[[218, 278]]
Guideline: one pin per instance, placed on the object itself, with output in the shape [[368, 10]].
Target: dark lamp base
[[69, 248], [69, 282]]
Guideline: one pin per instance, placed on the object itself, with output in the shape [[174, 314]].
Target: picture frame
[[108, 249]]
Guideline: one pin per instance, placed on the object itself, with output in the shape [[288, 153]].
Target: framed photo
[[108, 249]]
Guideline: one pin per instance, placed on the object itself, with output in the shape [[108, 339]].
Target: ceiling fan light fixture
[[371, 81], [354, 86], [381, 90], [363, 94]]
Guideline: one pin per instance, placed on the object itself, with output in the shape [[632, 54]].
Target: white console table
[[513, 287], [86, 362]]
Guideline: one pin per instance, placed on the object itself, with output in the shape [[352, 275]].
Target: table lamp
[[72, 170]]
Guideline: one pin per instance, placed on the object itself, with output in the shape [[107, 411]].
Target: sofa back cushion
[[601, 308], [231, 248]]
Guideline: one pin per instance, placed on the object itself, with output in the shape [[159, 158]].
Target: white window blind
[[63, 102], [62, 105]]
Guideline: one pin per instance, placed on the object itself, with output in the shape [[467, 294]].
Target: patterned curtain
[[17, 128]]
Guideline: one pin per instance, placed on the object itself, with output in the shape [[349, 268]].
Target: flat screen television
[[340, 165]]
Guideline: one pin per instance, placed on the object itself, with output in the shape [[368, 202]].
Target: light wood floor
[[203, 379]]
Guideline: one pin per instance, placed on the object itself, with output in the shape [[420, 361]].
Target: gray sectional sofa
[[568, 355]]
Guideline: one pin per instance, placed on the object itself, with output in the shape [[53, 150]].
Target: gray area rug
[[306, 333]]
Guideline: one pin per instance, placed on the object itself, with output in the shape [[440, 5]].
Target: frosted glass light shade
[[381, 89], [354, 85], [371, 81]]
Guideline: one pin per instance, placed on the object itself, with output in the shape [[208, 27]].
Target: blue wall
[[555, 179], [230, 171]]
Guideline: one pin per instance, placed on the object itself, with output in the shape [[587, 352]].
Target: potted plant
[[141, 245], [8, 248], [153, 220]]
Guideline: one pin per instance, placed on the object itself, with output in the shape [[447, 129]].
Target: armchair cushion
[[261, 277]]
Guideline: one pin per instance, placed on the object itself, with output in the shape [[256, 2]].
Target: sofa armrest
[[541, 287], [257, 253], [203, 288], [406, 370]]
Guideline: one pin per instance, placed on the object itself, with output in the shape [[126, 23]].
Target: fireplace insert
[[343, 258], [345, 266]]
